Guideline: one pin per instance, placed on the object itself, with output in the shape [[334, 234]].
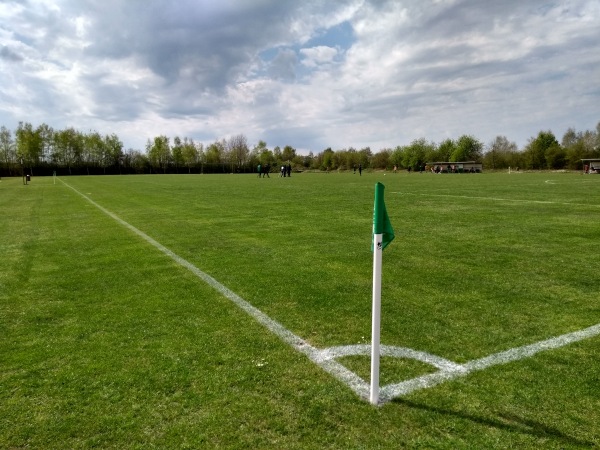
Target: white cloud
[[315, 56], [208, 70]]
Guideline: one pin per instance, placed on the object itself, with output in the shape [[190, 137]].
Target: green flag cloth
[[381, 221]]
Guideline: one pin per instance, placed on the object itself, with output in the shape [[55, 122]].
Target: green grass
[[106, 342]]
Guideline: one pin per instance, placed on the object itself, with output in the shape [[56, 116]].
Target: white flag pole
[[376, 318]]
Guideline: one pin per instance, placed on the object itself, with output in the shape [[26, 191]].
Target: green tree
[[260, 154], [28, 145], [277, 155], [346, 159], [68, 148], [215, 152], [159, 153], [136, 160], [364, 157], [308, 160], [555, 157], [381, 159], [260, 147], [201, 153], [444, 151], [177, 153], [415, 154], [46, 135], [327, 159], [95, 151], [578, 146], [267, 158], [288, 153], [338, 160], [113, 149], [535, 150], [499, 154], [570, 138], [7, 148], [467, 148], [397, 156], [189, 153]]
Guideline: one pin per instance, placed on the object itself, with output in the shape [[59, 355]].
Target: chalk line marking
[[514, 354], [326, 358], [331, 366]]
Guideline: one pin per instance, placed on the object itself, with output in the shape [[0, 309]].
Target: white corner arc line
[[388, 350], [326, 358], [515, 354]]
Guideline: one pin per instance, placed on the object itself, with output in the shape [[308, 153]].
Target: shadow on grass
[[508, 422]]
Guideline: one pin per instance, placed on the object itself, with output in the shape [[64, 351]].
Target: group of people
[[285, 171], [263, 171]]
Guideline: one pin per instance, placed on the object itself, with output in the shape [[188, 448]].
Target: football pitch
[[228, 311]]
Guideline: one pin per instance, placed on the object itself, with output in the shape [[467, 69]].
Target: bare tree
[[237, 151]]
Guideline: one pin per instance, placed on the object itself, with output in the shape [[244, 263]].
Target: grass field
[[106, 341]]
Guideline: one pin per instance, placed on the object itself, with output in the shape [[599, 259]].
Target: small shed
[[455, 167], [591, 165]]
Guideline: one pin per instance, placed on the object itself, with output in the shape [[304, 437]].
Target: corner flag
[[383, 234], [381, 221]]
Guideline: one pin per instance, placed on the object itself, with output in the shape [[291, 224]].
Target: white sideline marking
[[325, 358]]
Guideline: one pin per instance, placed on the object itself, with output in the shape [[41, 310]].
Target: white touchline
[[325, 358]]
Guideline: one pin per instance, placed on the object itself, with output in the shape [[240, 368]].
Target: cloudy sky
[[310, 74]]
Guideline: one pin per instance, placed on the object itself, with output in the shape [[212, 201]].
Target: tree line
[[43, 151]]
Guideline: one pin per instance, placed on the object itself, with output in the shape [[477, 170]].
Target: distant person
[[360, 170], [266, 170], [282, 171], [289, 170], [395, 169], [259, 170], [354, 166]]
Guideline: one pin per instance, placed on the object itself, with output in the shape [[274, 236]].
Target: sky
[[310, 74]]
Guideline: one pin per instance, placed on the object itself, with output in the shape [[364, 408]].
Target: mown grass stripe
[[325, 358], [499, 199], [332, 367]]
